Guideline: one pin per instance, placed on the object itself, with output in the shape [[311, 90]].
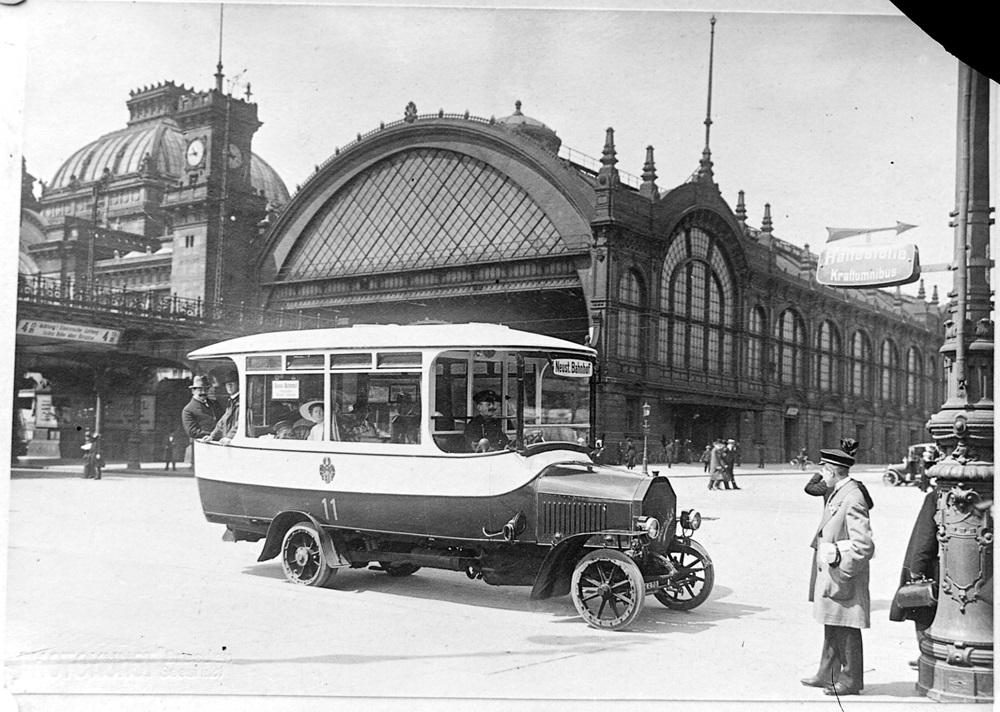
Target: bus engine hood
[[575, 498]]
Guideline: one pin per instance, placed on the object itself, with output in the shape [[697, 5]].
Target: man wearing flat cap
[[485, 431], [839, 583]]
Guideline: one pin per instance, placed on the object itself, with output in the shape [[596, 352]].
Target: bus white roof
[[390, 336]]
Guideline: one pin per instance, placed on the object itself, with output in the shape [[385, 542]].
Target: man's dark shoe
[[839, 689], [914, 664], [736, 487], [814, 682]]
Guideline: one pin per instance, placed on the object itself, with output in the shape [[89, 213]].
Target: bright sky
[[835, 120]]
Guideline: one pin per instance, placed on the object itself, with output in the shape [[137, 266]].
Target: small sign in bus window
[[285, 390]]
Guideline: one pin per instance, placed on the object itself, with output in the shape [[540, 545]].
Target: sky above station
[[844, 119]]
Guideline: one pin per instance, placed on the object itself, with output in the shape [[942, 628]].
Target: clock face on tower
[[235, 156], [195, 152]]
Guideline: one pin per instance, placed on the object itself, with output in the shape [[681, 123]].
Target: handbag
[[917, 594]]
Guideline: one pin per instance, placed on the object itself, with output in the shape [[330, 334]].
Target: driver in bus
[[485, 431]]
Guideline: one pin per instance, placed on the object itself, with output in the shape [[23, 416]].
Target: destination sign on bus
[[572, 368], [868, 266]]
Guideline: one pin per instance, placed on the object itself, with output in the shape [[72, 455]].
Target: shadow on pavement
[[894, 689]]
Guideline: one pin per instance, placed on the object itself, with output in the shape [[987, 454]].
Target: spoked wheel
[[696, 577], [302, 557], [891, 478], [398, 569], [607, 589]]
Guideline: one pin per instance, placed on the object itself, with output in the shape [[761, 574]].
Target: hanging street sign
[[68, 332], [864, 266]]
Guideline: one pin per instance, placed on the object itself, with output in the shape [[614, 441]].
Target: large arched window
[[828, 353], [914, 377], [791, 343], [632, 300], [756, 330], [889, 387], [697, 297], [861, 358]]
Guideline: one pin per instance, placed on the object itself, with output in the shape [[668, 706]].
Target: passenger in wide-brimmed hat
[[315, 411], [843, 547], [484, 432], [201, 413]]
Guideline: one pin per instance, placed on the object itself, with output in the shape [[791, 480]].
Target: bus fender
[[556, 573], [286, 520]]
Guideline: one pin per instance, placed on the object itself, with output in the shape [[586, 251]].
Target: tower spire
[[705, 166], [218, 68]]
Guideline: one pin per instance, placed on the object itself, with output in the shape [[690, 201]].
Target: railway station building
[[695, 309]]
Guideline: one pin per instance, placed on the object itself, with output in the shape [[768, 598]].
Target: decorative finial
[[517, 108], [705, 166], [410, 115], [248, 92], [921, 293], [934, 297], [765, 225], [648, 187], [741, 210], [608, 175]]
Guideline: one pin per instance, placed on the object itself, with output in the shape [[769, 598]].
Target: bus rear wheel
[[302, 556]]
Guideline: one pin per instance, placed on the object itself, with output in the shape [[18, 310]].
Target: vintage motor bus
[[351, 451]]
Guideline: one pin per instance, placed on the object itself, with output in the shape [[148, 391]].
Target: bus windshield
[[529, 397]]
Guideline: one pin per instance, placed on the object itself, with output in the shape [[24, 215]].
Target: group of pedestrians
[[720, 458]]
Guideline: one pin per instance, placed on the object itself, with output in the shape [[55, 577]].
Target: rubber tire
[[679, 554], [603, 566], [891, 478], [307, 565]]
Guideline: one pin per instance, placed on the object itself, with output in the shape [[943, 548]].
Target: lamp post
[[645, 438], [956, 653]]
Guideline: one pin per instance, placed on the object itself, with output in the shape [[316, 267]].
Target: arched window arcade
[[861, 357], [828, 357], [790, 333], [697, 301], [632, 301]]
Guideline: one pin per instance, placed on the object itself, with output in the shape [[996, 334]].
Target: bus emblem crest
[[327, 470]]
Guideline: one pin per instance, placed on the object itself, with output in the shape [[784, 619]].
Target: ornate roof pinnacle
[[648, 187], [765, 225], [741, 210], [921, 293], [608, 175]]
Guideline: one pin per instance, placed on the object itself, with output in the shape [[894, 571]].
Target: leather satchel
[[917, 594]]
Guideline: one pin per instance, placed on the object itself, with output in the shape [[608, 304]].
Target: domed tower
[[177, 190]]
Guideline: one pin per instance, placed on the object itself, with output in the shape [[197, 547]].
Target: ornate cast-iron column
[[956, 656]]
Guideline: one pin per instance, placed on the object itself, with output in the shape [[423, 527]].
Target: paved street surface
[[120, 587]]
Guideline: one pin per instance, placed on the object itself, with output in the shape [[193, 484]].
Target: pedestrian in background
[[91, 456], [169, 455], [760, 457], [843, 548], [717, 466], [630, 453], [706, 456], [729, 457], [920, 562]]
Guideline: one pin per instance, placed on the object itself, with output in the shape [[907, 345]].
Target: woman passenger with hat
[[484, 432], [839, 582]]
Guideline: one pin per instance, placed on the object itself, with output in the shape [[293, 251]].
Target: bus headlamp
[[650, 525], [690, 519]]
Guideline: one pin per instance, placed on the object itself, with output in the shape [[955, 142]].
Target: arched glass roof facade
[[418, 209]]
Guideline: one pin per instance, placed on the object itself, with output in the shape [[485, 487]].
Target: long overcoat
[[921, 561], [717, 465], [840, 593]]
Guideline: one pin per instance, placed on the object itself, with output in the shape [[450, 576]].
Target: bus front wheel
[[302, 556]]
